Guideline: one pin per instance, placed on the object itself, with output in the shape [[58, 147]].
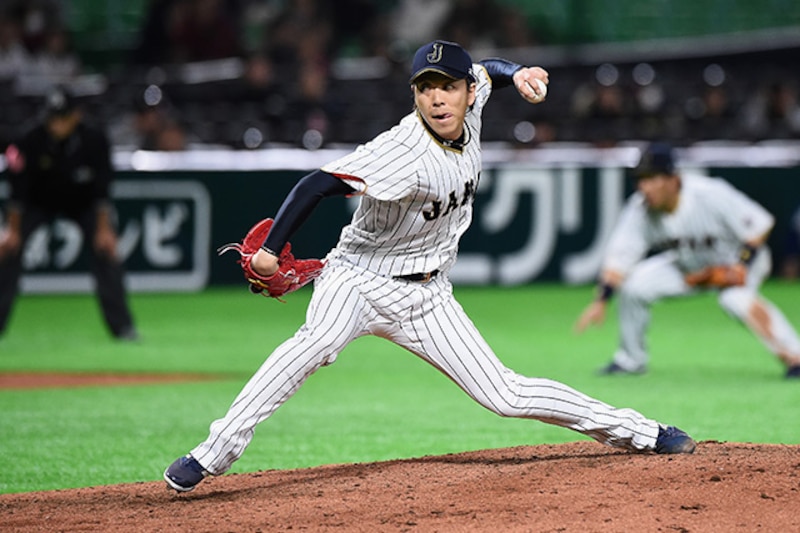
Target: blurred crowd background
[[248, 74]]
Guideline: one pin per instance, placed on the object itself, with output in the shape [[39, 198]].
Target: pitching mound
[[45, 380], [579, 487]]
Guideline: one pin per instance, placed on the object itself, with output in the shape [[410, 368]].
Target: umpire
[[62, 168]]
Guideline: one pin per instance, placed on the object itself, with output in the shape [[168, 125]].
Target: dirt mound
[[45, 380], [581, 486]]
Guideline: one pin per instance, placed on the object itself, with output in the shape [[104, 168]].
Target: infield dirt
[[580, 487]]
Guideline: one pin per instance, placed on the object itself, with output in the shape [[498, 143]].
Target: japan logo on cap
[[443, 57]]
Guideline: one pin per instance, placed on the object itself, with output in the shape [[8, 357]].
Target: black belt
[[421, 277]]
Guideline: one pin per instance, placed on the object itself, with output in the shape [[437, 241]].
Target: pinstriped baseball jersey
[[708, 227], [417, 194]]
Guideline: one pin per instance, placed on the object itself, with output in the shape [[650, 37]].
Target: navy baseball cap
[[656, 159], [442, 57]]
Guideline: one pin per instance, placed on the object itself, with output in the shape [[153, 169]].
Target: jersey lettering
[[693, 243], [433, 214], [469, 192], [453, 204]]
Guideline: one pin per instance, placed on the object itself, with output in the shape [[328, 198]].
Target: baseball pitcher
[[388, 274]]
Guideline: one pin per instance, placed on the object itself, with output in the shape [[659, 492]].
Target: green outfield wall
[[534, 221]]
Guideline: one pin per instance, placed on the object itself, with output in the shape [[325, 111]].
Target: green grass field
[[708, 375]]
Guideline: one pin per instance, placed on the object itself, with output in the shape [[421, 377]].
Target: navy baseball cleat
[[184, 474], [613, 368], [673, 440], [793, 371]]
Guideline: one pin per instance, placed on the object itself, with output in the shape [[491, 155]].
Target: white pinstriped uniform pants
[[658, 277], [349, 302]]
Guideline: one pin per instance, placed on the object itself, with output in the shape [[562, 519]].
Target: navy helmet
[[58, 102], [656, 159]]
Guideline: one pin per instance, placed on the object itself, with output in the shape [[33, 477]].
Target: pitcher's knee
[[736, 301], [504, 403], [506, 410], [632, 291], [519, 399]]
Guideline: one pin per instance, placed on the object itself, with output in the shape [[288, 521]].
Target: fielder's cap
[[656, 159], [58, 102], [443, 57]]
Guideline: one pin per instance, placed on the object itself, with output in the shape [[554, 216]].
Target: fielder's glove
[[291, 274], [719, 276]]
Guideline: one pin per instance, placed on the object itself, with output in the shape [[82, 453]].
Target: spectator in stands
[[415, 22], [259, 72], [650, 107], [311, 101], [37, 46], [301, 34], [179, 31], [773, 112], [604, 113], [204, 30], [152, 124], [260, 84], [486, 24], [37, 18], [299, 44], [360, 28], [711, 116], [13, 55], [172, 138], [153, 46], [55, 61]]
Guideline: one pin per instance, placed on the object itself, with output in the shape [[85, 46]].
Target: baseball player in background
[[707, 236], [388, 274]]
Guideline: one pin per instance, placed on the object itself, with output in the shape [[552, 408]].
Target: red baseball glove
[[292, 273], [720, 276]]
